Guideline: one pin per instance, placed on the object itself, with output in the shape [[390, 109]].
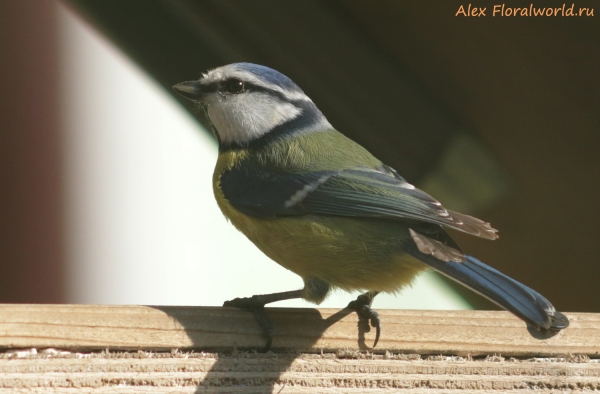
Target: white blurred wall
[[142, 226]]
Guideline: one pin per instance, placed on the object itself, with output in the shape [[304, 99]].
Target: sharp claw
[[362, 305], [375, 322]]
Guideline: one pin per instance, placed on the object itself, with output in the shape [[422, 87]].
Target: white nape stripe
[[301, 194]]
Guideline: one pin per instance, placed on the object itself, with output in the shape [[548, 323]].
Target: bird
[[325, 208]]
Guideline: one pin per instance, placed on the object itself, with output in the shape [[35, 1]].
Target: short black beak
[[191, 90]]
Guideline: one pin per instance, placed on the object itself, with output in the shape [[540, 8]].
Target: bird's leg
[[256, 304], [362, 306]]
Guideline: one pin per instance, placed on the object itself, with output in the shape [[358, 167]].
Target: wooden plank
[[474, 333], [177, 372]]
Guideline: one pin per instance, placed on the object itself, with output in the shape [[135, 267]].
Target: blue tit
[[322, 206]]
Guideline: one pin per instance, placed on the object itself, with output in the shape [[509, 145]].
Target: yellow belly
[[351, 254]]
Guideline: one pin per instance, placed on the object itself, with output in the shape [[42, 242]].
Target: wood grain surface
[[158, 328], [57, 349], [51, 371]]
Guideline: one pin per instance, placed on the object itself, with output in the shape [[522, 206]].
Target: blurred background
[[105, 175]]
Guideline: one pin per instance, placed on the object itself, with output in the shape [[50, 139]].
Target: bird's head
[[246, 101]]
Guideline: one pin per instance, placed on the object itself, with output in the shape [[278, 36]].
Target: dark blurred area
[[31, 254], [408, 80]]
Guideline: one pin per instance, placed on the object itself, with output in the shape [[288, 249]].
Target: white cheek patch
[[242, 119]]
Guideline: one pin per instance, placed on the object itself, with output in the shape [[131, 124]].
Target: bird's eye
[[233, 85]]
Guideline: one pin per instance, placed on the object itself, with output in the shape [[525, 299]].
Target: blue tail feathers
[[506, 292]]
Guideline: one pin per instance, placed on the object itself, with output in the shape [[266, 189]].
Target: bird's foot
[[362, 306], [256, 305]]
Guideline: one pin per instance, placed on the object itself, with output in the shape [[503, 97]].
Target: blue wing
[[358, 192]]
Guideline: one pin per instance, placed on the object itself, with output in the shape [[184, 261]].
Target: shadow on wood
[[335, 339], [290, 332]]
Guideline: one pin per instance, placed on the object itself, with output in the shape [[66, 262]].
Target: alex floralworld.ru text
[[503, 10]]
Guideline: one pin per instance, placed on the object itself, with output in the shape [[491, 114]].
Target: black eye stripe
[[233, 86], [222, 85], [270, 92], [216, 86]]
